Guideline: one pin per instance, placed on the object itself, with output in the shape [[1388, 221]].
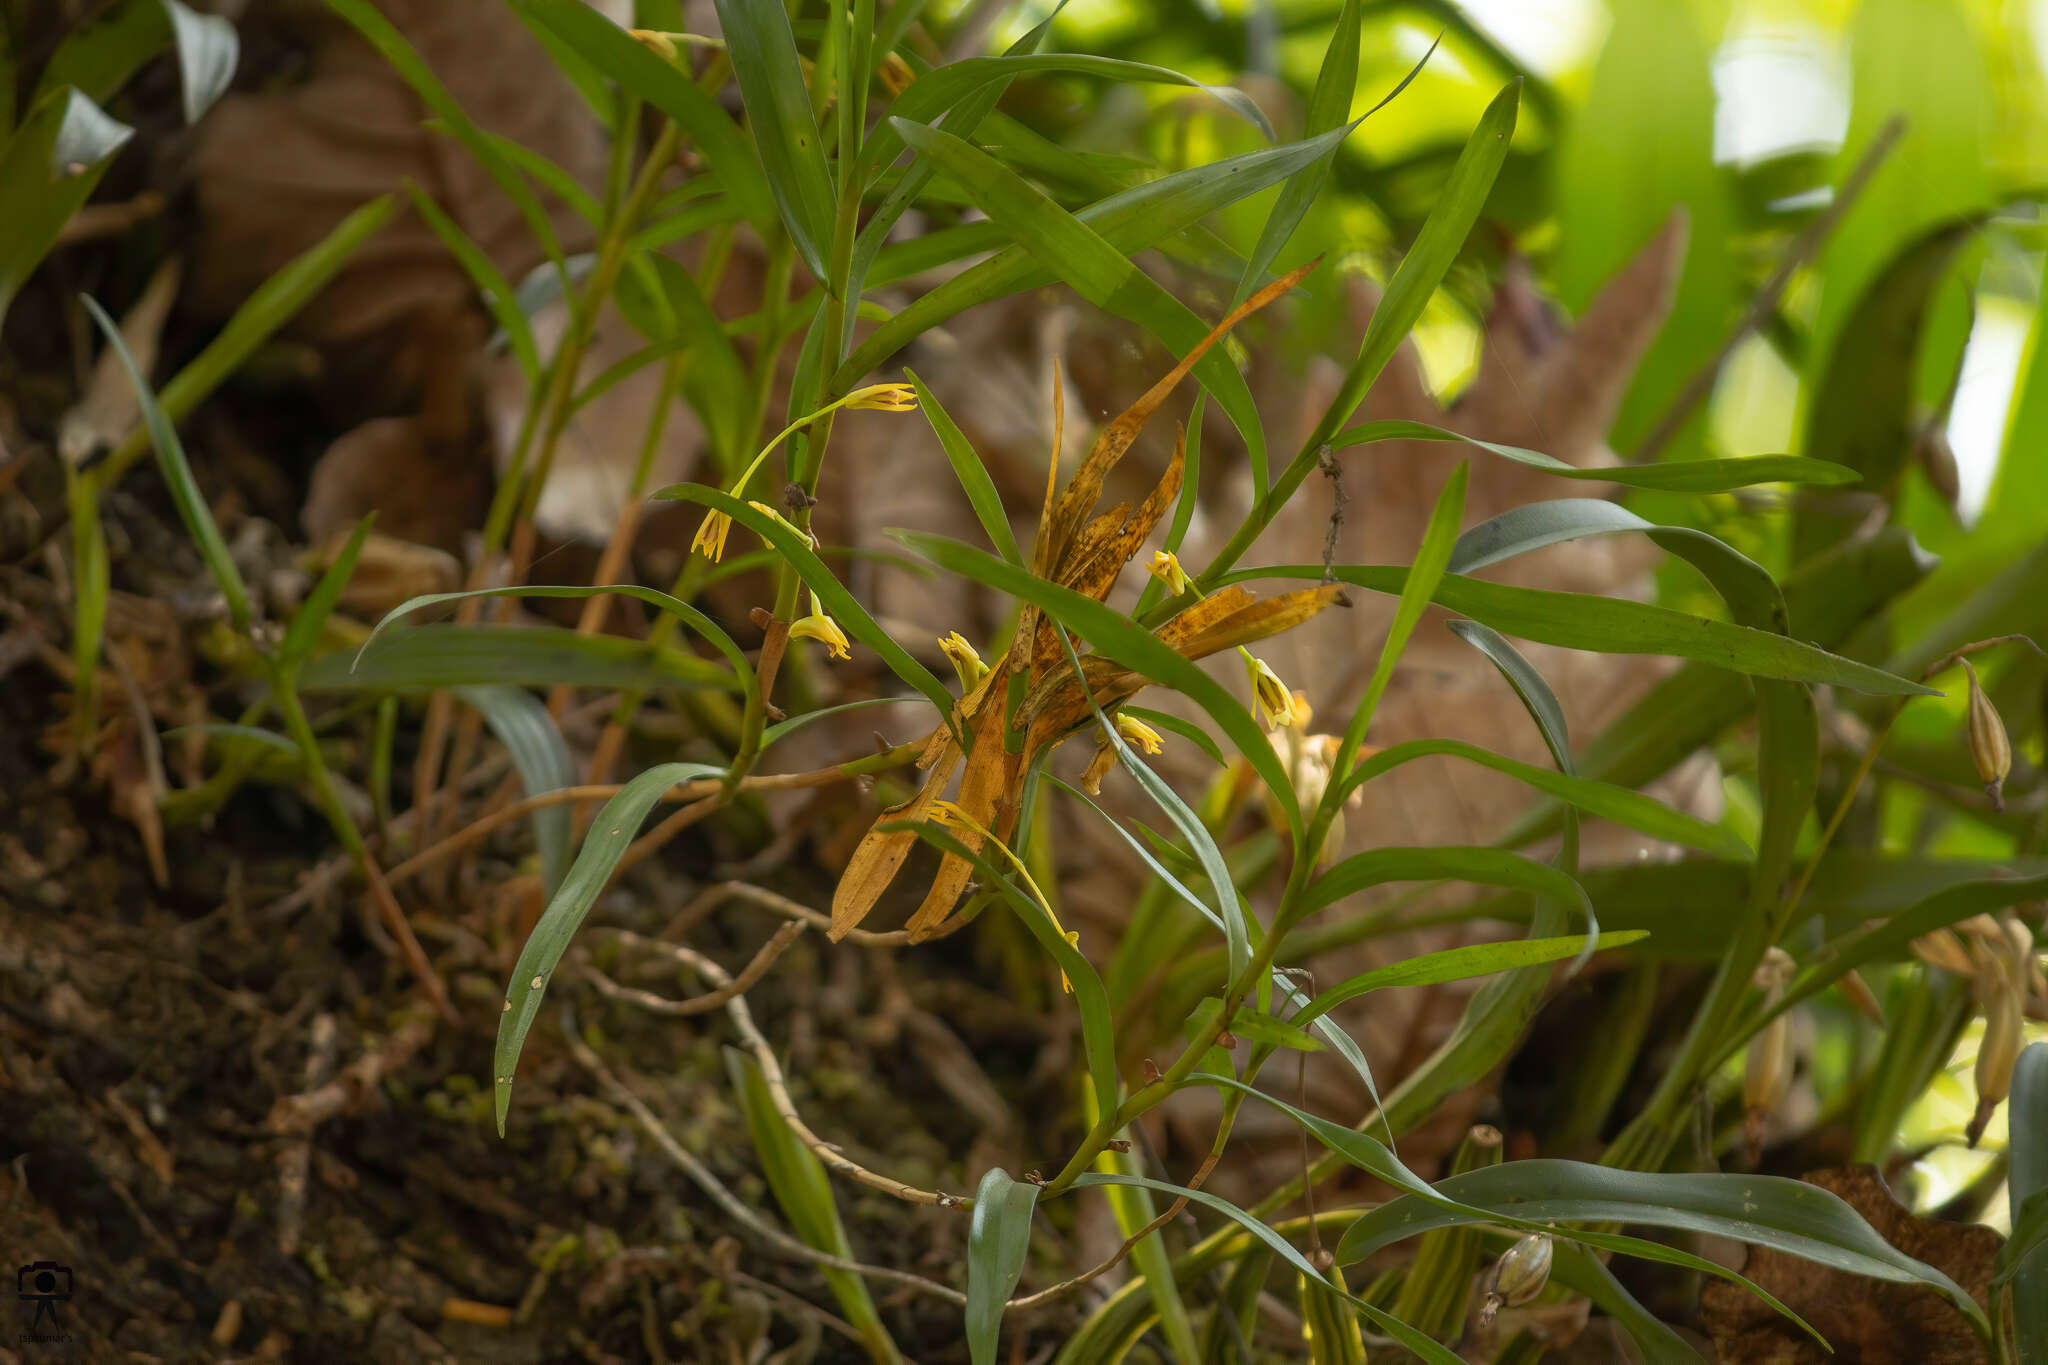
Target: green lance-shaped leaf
[[2027, 1186], [1609, 625], [804, 1191], [997, 1241], [1786, 1215], [763, 52], [611, 834], [311, 617], [972, 473], [1091, 264], [425, 658], [177, 472], [540, 755], [1677, 476]]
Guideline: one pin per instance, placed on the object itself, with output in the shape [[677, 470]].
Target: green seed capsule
[[1990, 750]]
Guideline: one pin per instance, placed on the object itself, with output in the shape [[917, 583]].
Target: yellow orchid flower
[[1271, 701], [878, 397], [966, 662], [1166, 568], [1136, 733], [948, 815], [821, 627]]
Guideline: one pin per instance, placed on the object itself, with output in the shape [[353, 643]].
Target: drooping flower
[[711, 535], [821, 627], [1135, 732], [1272, 702], [1166, 568]]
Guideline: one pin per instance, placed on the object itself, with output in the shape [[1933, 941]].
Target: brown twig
[[297, 1114], [700, 1175], [1804, 248], [774, 948], [778, 1093]]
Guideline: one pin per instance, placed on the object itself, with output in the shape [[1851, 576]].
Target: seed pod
[[1518, 1276], [1990, 750], [2004, 1035]]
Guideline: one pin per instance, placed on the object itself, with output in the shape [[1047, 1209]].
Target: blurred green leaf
[[1092, 265], [405, 59], [1611, 625], [1640, 146], [1407, 1336], [611, 834], [1864, 414], [1678, 476], [1578, 1268], [998, 1239], [177, 472], [1460, 964], [311, 617], [423, 658], [539, 754], [50, 165], [1786, 1215], [275, 302], [2027, 1187], [763, 53], [491, 285], [1448, 862]]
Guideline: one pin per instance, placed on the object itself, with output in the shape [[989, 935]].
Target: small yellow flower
[[884, 398], [1166, 568], [965, 661], [711, 535], [1137, 732], [1271, 701], [948, 815], [819, 626]]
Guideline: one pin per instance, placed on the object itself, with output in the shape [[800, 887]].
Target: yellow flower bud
[[1271, 700], [1990, 750], [1166, 568], [965, 661], [884, 398], [655, 41]]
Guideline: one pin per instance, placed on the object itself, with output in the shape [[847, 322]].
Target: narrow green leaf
[[1098, 1040], [491, 285], [610, 50], [1092, 265], [425, 658], [611, 833], [90, 584], [696, 620], [763, 53], [100, 55], [804, 1191], [998, 1239], [1436, 552], [1677, 476], [177, 472], [784, 728], [1407, 1336], [406, 60], [1786, 1215], [1250, 1024], [311, 617], [1864, 410], [1481, 866], [1427, 262], [1460, 964], [972, 473], [275, 302], [1608, 625], [1537, 698], [539, 754], [1602, 800], [50, 165], [2027, 1187], [1579, 1269]]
